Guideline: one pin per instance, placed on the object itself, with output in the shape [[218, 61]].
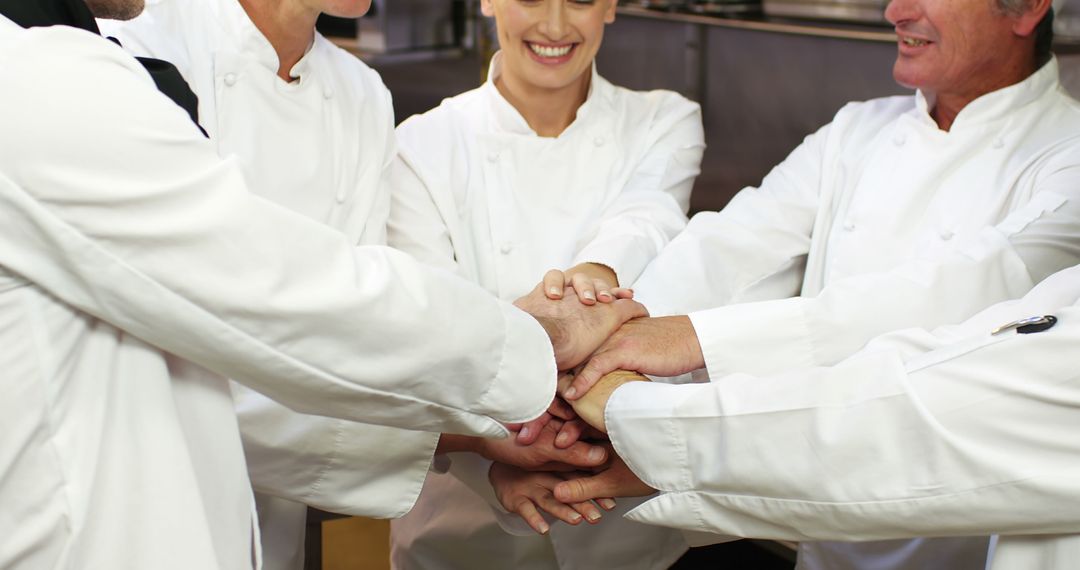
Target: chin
[[349, 9]]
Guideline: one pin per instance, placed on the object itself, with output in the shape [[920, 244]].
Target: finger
[[554, 281], [584, 287], [531, 430], [570, 433], [581, 454], [582, 489], [603, 291], [588, 510], [527, 511], [630, 309], [622, 292], [559, 510], [560, 409], [595, 369]]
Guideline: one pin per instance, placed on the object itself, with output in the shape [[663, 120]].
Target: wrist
[[454, 443]]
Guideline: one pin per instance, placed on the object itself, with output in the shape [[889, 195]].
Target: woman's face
[[549, 44]]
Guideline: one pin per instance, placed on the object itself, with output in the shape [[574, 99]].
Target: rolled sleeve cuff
[[524, 384], [754, 338], [640, 425]]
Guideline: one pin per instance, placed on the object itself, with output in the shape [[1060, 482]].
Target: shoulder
[[873, 114], [350, 72], [660, 112], [450, 120]]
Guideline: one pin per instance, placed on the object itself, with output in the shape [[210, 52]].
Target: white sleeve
[[1001, 262], [951, 433], [651, 208], [335, 465], [114, 202], [755, 248]]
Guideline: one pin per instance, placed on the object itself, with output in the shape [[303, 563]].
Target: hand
[[665, 346], [616, 481], [526, 493], [543, 454], [577, 330], [591, 281], [593, 405], [528, 432]]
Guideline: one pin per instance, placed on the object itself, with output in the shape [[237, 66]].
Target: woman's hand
[[591, 281], [527, 493]]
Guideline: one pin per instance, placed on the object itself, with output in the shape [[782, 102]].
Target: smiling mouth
[[913, 42], [550, 51]]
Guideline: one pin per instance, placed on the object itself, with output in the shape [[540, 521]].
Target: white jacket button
[[328, 93], [899, 140], [506, 248], [493, 157], [598, 141], [947, 235], [230, 79], [849, 226]]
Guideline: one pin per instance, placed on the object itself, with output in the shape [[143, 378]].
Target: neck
[[289, 26], [547, 111], [948, 105]]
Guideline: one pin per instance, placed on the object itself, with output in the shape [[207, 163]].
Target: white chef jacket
[[881, 221], [951, 432], [136, 271], [479, 192], [319, 146]]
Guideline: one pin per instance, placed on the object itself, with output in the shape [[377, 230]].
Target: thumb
[[580, 490], [582, 454], [630, 309]]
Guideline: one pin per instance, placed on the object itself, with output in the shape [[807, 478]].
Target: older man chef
[[966, 429], [135, 270], [905, 211]]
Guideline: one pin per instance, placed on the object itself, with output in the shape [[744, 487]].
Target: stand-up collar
[[510, 120], [997, 104], [250, 40]]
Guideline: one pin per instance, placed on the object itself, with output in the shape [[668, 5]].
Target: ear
[[609, 13], [487, 8], [1024, 24]]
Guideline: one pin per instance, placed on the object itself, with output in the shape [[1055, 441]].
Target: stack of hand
[[562, 463]]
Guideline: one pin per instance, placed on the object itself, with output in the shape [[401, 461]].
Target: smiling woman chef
[[545, 165]]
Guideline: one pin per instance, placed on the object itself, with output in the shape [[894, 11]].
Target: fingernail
[[575, 517], [594, 516], [524, 433], [553, 291], [607, 503], [570, 392], [597, 454], [589, 295], [544, 528], [561, 439]]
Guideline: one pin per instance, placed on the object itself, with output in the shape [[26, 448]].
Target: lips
[[551, 54]]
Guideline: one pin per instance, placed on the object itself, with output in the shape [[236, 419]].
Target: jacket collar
[[997, 104], [508, 119], [249, 40]]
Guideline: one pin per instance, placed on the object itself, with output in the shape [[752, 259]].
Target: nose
[[899, 11], [554, 25]]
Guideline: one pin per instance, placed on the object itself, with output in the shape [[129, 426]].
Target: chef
[[545, 165], [962, 430], [312, 128], [136, 272], [906, 211]]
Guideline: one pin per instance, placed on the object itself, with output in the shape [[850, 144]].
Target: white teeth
[[914, 42], [552, 51]]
